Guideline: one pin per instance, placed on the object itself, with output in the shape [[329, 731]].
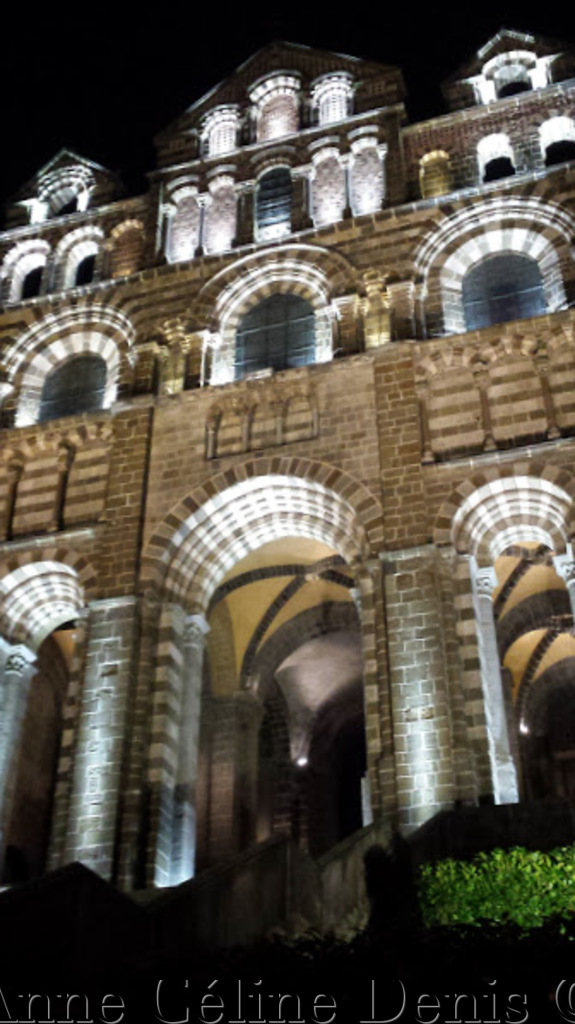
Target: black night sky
[[103, 79]]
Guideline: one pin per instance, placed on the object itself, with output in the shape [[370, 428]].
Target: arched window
[[70, 206], [557, 140], [76, 386], [332, 96], [279, 333], [495, 155], [501, 288], [32, 283], [559, 152], [499, 167], [220, 131], [85, 270], [273, 203], [512, 79]]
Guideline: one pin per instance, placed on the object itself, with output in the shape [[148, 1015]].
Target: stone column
[[301, 212], [503, 769], [135, 804], [419, 685], [369, 599], [184, 835], [167, 214], [204, 202], [234, 729], [99, 750], [245, 224], [375, 309], [17, 671]]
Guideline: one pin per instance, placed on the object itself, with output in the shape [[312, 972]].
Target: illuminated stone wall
[[203, 521]]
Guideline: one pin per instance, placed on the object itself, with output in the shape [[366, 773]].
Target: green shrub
[[519, 886]]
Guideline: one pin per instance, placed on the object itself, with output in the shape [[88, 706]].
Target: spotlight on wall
[[524, 728], [302, 761]]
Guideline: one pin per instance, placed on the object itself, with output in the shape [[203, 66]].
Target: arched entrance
[[267, 562], [39, 604], [516, 533]]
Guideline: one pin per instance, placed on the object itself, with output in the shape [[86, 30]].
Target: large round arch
[[236, 512], [39, 594], [539, 230], [90, 329], [486, 513]]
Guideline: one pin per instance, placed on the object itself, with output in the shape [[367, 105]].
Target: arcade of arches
[[258, 704]]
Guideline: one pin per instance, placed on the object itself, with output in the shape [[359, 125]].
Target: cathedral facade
[[287, 466]]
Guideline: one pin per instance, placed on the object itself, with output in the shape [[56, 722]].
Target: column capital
[[485, 581], [19, 659], [565, 568], [196, 628]]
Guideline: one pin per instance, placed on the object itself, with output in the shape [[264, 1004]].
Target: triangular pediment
[[63, 160], [74, 172], [305, 61], [506, 40]]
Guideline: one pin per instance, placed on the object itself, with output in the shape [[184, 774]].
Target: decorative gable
[[283, 82], [68, 183], [510, 63]]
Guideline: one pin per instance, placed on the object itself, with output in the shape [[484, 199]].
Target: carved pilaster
[[503, 769], [426, 450], [488, 441], [65, 461], [552, 429], [375, 309], [15, 471]]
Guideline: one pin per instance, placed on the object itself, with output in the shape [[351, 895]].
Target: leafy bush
[[518, 886]]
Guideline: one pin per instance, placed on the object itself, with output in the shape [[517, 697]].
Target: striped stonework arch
[[509, 225], [72, 249], [24, 257], [93, 329], [304, 270], [38, 594], [491, 511], [238, 511], [61, 186]]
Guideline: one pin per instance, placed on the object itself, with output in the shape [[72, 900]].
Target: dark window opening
[[77, 386], [71, 206], [279, 333], [513, 88], [32, 283], [511, 79], [499, 167], [273, 202], [559, 152], [85, 270], [502, 288]]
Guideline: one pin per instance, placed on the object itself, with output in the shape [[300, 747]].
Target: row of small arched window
[[34, 272], [496, 157], [278, 333]]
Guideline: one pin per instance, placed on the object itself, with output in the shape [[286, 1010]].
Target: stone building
[[287, 467]]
